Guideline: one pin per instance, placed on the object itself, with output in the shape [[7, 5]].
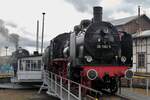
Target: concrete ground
[[8, 94]]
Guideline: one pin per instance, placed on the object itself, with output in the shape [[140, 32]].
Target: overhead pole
[[139, 29], [139, 11], [37, 37], [42, 32]]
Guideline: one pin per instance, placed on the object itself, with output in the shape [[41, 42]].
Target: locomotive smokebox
[[97, 14]]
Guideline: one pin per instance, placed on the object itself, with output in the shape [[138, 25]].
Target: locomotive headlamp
[[88, 58], [123, 59], [131, 58], [129, 74], [99, 39], [92, 74], [105, 30]]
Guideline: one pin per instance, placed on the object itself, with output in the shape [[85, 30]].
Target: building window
[[20, 65], [31, 65], [27, 67], [39, 65], [141, 60], [35, 65]]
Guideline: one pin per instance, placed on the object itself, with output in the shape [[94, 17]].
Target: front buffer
[[104, 77]]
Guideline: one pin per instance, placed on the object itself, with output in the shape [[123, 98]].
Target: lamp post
[[37, 37], [6, 47]]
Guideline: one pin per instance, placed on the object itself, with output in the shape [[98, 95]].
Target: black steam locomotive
[[94, 54]]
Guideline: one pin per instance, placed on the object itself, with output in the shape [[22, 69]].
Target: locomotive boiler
[[95, 54]]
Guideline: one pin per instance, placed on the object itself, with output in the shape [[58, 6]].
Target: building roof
[[142, 34], [123, 21], [32, 56]]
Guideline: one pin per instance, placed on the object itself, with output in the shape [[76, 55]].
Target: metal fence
[[66, 89], [144, 85], [6, 70]]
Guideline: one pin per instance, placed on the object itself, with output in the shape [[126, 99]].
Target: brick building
[[139, 27], [141, 52], [132, 24]]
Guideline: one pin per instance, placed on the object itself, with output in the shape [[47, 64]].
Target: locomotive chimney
[[97, 14]]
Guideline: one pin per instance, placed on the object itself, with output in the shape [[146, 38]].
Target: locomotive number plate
[[104, 46]]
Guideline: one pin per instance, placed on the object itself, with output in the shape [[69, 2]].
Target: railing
[[5, 75], [145, 85], [137, 87], [66, 89]]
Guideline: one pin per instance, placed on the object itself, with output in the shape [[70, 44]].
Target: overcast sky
[[20, 16]]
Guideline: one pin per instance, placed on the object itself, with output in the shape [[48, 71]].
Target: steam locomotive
[[95, 54]]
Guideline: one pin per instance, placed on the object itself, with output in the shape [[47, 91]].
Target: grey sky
[[111, 7], [20, 16]]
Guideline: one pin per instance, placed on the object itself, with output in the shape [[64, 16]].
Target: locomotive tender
[[95, 54]]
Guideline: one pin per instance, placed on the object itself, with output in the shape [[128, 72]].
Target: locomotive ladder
[[66, 89]]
